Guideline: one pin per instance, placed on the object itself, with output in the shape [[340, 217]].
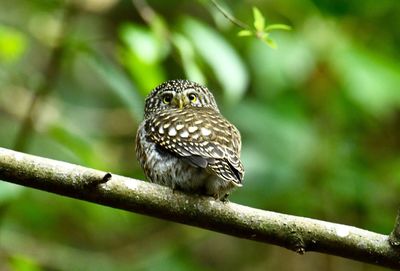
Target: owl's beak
[[180, 101]]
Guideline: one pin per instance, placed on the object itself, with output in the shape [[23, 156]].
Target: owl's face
[[178, 94]]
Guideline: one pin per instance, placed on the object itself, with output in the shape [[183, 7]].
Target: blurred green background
[[319, 117]]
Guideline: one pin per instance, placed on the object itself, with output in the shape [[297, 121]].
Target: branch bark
[[296, 233], [394, 237]]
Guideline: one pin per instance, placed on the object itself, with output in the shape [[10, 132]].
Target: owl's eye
[[192, 97], [167, 98]]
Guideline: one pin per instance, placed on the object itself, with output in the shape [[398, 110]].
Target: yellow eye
[[192, 97], [167, 98]]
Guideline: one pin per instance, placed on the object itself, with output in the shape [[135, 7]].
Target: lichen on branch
[[299, 234]]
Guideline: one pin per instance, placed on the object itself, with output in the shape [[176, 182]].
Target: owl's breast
[[162, 167]]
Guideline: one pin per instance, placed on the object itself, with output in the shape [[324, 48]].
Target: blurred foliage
[[261, 30], [319, 116]]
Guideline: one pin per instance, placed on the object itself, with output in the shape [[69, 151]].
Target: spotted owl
[[185, 143]]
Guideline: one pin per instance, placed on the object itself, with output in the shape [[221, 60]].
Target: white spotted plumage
[[185, 143]]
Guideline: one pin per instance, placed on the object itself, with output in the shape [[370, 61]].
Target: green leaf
[[23, 263], [270, 42], [142, 54], [12, 44], [186, 50], [78, 143], [245, 33], [140, 39], [259, 20], [118, 81], [224, 61], [271, 27], [9, 191], [369, 79]]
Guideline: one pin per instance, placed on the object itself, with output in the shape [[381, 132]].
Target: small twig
[[145, 10], [50, 77], [51, 73], [228, 16], [107, 177], [97, 180]]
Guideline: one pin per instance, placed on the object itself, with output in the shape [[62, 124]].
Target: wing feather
[[202, 136]]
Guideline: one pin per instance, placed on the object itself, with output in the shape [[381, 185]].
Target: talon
[[175, 188], [225, 199]]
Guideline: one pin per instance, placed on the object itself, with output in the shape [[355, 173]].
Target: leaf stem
[[228, 16]]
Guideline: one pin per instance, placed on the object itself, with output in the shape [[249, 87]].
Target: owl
[[185, 143]]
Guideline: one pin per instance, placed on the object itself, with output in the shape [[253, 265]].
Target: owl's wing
[[202, 137]]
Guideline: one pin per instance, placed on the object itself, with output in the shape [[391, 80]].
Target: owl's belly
[[175, 172], [163, 168]]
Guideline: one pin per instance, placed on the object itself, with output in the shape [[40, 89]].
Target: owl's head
[[178, 94]]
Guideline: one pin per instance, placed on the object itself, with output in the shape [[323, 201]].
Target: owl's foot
[[224, 198], [175, 188]]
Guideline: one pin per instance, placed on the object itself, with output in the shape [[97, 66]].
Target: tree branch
[[394, 237], [296, 233]]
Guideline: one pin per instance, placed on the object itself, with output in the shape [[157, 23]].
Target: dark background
[[319, 119]]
